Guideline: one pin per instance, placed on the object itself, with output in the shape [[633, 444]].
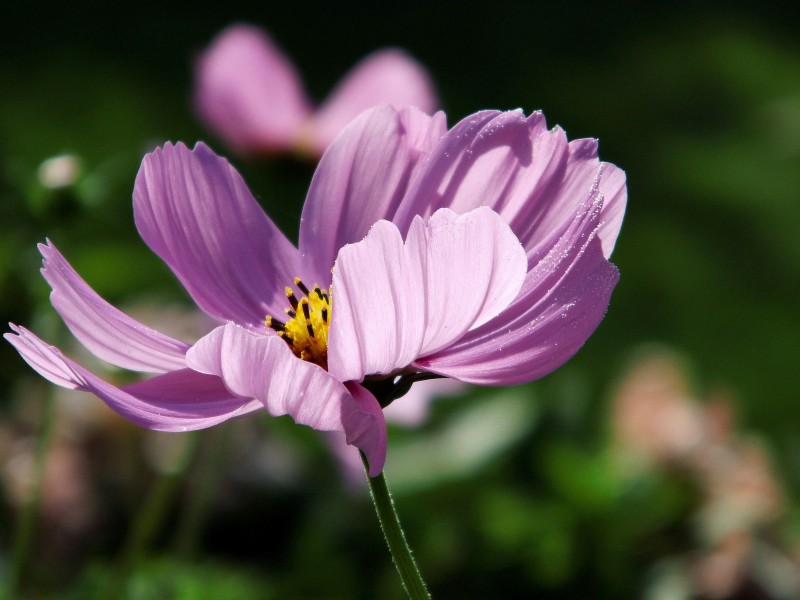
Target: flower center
[[306, 331]]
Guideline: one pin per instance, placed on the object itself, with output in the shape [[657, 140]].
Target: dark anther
[[310, 328], [318, 292], [301, 285], [324, 315], [292, 299], [291, 313], [306, 311], [276, 324]]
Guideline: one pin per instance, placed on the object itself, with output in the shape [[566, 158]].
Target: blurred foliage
[[504, 493]]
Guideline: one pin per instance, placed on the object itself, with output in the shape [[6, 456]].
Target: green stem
[[395, 539]]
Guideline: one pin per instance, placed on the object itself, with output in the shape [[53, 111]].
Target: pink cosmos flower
[[251, 96], [478, 253]]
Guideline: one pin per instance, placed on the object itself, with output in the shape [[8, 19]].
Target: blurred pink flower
[[478, 253], [654, 417], [416, 404], [250, 94], [658, 422]]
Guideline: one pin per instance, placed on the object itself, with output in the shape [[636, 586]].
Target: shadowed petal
[[562, 301], [582, 173], [370, 437], [195, 212], [394, 302], [107, 332], [484, 160], [362, 178], [177, 401], [528, 174], [263, 367], [249, 92], [385, 77]]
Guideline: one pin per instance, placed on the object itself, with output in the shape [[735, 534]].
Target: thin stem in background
[[208, 466], [150, 518], [23, 537]]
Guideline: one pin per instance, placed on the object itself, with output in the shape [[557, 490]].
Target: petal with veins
[[176, 401], [263, 367], [195, 212], [563, 300], [107, 332], [362, 178], [528, 174], [395, 301], [385, 77]]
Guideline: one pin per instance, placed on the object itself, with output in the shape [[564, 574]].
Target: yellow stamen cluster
[[306, 331]]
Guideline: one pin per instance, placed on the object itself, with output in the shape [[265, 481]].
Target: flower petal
[[249, 92], [613, 185], [195, 212], [368, 436], [362, 178], [263, 367], [395, 302], [582, 173], [177, 401], [485, 159], [528, 174], [385, 77], [107, 332], [563, 300]]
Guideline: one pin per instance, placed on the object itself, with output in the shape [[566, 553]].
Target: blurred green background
[[523, 498]]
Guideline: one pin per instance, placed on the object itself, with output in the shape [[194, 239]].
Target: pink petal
[[195, 212], [362, 178], [394, 302], [248, 91], [614, 187], [177, 401], [563, 300], [485, 159], [107, 332], [368, 436], [528, 174], [385, 77], [263, 367], [583, 173]]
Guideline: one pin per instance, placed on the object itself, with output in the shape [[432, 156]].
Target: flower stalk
[[395, 538]]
